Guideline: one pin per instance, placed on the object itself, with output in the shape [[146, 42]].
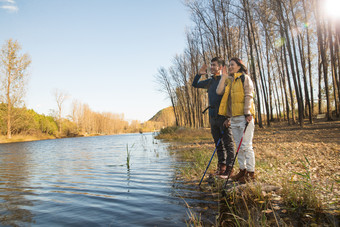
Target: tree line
[[90, 122], [15, 118], [292, 51]]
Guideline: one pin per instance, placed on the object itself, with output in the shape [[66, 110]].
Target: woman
[[237, 104]]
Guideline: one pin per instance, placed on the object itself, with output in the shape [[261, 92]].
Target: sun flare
[[332, 8]]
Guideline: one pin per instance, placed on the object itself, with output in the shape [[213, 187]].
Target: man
[[225, 149]]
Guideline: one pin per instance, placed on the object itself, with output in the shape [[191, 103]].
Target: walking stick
[[232, 166], [218, 142]]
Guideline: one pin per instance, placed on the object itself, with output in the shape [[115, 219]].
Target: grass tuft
[[128, 155], [301, 193]]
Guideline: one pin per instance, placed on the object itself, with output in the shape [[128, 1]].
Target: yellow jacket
[[241, 96]]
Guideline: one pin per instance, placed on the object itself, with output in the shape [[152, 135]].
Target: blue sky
[[104, 53]]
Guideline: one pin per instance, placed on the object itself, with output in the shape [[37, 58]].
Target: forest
[[292, 52]]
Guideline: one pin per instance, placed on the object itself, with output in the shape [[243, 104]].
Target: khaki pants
[[246, 155]]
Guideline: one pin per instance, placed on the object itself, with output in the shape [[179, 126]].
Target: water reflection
[[87, 181], [14, 173]]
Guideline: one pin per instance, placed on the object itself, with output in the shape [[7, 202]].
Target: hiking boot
[[251, 176], [229, 170], [221, 168], [247, 177], [239, 175]]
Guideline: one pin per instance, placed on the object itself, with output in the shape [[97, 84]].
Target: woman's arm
[[248, 95], [221, 85]]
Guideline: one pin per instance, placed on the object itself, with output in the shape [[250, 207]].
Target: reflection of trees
[[14, 172]]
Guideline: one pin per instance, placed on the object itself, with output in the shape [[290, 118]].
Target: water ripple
[[87, 182]]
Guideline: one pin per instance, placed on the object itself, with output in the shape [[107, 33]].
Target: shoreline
[[301, 162], [30, 138]]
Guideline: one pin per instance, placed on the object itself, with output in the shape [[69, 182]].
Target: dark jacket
[[214, 98]]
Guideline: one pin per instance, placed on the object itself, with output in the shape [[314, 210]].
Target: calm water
[[87, 182]]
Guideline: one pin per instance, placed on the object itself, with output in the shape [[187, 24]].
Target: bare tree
[[281, 56], [13, 76], [76, 113], [60, 97], [164, 80]]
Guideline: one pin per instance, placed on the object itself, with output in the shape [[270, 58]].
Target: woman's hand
[[221, 85], [226, 123], [224, 73], [249, 118]]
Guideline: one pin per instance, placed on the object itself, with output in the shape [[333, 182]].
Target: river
[[118, 180]]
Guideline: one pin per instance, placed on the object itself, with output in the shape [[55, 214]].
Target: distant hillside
[[165, 116]]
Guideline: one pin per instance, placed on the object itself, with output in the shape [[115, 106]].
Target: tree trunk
[[319, 84], [309, 65], [333, 67], [320, 31], [252, 61], [9, 104], [291, 58], [259, 66], [285, 74]]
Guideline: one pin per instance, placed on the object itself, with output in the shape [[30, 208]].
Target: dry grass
[[25, 138], [181, 134], [293, 157], [303, 162]]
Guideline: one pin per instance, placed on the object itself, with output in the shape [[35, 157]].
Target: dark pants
[[225, 149]]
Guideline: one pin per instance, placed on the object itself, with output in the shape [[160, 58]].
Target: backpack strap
[[242, 77]]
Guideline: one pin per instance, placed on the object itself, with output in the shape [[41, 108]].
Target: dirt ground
[[286, 152], [297, 160]]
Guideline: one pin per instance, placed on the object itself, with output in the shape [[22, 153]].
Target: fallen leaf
[[267, 211]]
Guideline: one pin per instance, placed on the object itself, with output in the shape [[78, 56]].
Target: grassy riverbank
[[34, 137], [301, 163], [25, 138]]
